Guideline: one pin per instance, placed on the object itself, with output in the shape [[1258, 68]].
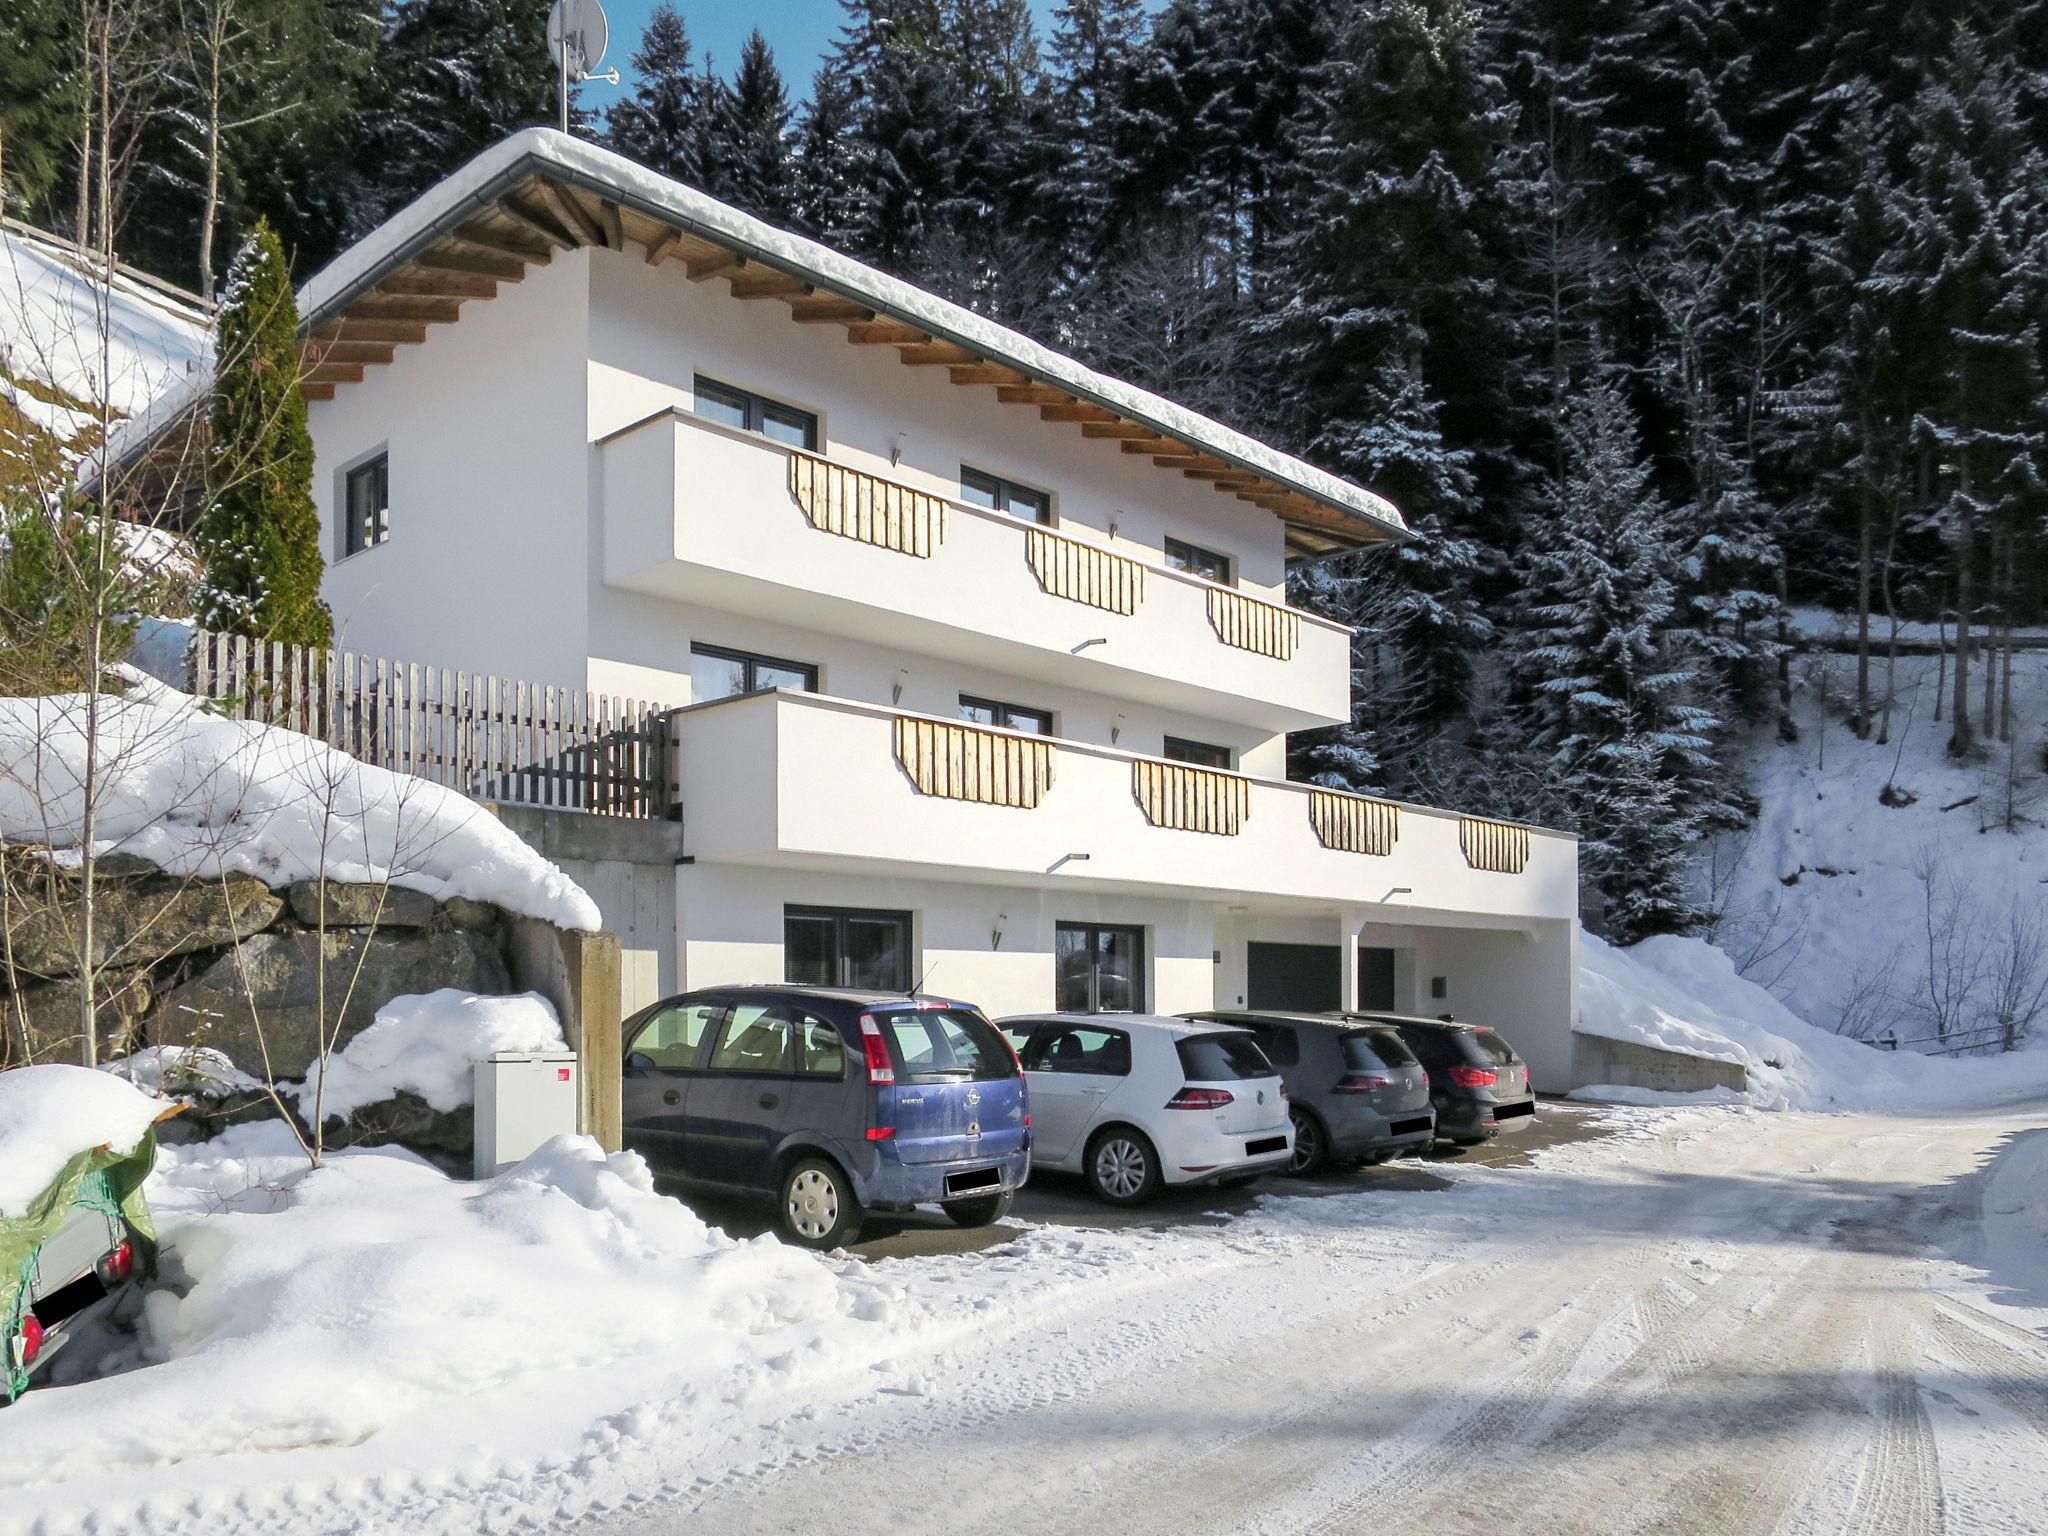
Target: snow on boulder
[[1683, 994], [199, 795], [429, 1044], [50, 1114]]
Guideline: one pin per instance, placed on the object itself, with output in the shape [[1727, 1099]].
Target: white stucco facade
[[560, 514]]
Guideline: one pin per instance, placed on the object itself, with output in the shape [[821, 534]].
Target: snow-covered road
[[1720, 1322]]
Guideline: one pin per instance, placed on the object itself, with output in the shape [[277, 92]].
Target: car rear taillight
[[1201, 1098], [1361, 1082], [29, 1342], [1027, 1122], [1474, 1077], [117, 1263], [880, 1072], [881, 1132]]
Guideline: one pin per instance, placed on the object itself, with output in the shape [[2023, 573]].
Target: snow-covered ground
[[1712, 1320]]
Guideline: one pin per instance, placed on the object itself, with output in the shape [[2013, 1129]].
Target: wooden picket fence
[[493, 738]]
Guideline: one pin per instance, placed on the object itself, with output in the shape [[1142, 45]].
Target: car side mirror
[[639, 1064]]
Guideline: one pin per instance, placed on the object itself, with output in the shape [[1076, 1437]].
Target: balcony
[[806, 780], [699, 513]]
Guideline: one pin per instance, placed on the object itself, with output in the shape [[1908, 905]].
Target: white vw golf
[[1132, 1102]]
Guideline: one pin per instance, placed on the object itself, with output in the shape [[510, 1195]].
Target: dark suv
[[832, 1103], [1477, 1083], [1355, 1090]]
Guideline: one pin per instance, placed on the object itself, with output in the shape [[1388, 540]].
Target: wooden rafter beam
[[702, 267], [423, 311], [1224, 478], [663, 243], [578, 218], [891, 333], [822, 309], [1033, 394], [493, 242], [613, 225], [926, 354], [1129, 431], [766, 283], [314, 353], [1077, 411], [333, 373], [538, 221], [365, 328], [988, 373], [317, 391], [416, 283], [503, 269]]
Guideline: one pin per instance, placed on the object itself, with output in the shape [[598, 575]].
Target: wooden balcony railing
[[1495, 846], [1083, 573], [1189, 799], [959, 762], [1353, 823], [1252, 624], [866, 507]]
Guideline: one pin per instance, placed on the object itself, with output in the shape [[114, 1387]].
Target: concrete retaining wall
[[1596, 1059]]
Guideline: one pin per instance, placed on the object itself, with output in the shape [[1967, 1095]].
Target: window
[[366, 509], [1015, 717], [1202, 754], [1099, 968], [1221, 1058], [936, 1045], [1083, 1051], [819, 1050], [1280, 1043], [755, 1039], [755, 413], [717, 673], [831, 947], [670, 1039], [1197, 561], [1376, 1050], [1000, 495]]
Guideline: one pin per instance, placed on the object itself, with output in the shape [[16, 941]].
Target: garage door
[[1304, 978]]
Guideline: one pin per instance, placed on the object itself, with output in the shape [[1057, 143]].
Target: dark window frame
[[355, 537], [1140, 990], [1198, 754], [1000, 492], [752, 660], [1190, 558], [839, 916], [758, 409], [1003, 711]]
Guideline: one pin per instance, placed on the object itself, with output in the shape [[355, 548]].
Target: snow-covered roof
[[556, 156], [70, 332]]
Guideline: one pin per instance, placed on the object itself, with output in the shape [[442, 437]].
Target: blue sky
[[800, 32]]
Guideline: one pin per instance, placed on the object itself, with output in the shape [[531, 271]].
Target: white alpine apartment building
[[984, 659]]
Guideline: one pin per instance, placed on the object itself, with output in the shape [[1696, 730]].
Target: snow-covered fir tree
[[666, 121]]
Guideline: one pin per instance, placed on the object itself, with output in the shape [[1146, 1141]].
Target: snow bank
[[199, 795], [182, 1071], [1685, 995], [328, 1306], [50, 1114], [429, 1045]]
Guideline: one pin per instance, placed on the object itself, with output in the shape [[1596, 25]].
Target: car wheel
[[1311, 1148], [1123, 1168], [984, 1211], [817, 1207]]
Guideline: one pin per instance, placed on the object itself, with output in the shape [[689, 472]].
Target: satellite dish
[[580, 25]]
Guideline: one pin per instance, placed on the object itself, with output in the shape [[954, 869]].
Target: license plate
[[972, 1179], [1264, 1145]]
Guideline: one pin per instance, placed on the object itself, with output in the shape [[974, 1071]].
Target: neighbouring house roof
[[541, 191]]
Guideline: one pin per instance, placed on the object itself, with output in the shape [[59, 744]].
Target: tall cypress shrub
[[261, 537]]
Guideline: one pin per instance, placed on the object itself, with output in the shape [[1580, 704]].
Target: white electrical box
[[522, 1099]]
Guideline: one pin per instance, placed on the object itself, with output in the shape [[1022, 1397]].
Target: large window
[[755, 413], [668, 1041], [846, 947], [366, 505], [1000, 495], [717, 673], [1015, 717], [755, 1039], [1099, 968], [1203, 754], [1197, 561], [1082, 1051]]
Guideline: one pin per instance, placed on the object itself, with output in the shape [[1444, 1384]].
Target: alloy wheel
[[813, 1204], [1120, 1167], [1308, 1144]]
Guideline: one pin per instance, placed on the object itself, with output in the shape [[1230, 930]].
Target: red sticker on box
[[561, 1074]]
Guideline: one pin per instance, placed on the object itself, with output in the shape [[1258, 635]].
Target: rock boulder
[[359, 906], [138, 921]]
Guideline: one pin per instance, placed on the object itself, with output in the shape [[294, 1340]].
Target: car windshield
[[1369, 1049], [1492, 1050], [1222, 1058], [936, 1045]]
